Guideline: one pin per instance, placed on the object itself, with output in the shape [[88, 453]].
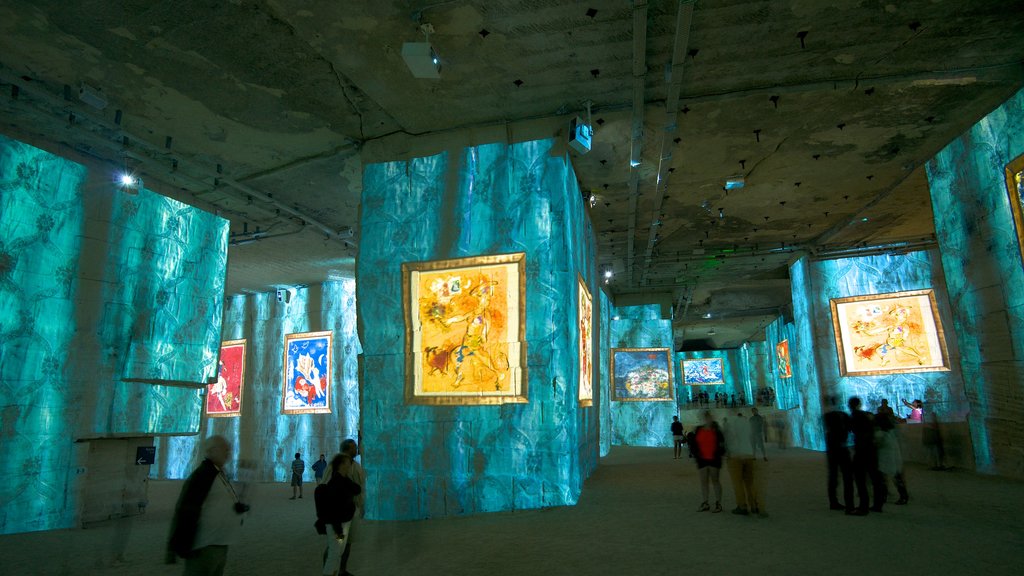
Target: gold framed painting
[[307, 373], [224, 397], [465, 330], [889, 333], [585, 324], [1015, 188], [642, 375], [782, 359]]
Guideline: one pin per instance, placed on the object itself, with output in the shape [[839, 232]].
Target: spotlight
[[421, 60], [593, 200], [127, 180], [707, 315], [130, 184], [607, 273]]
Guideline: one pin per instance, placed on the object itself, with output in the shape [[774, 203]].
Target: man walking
[[357, 475], [757, 433], [208, 516], [837, 455], [318, 468], [677, 438]]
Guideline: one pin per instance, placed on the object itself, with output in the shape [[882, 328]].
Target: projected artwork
[[641, 374], [586, 332], [1015, 187], [703, 372], [465, 325], [224, 397], [888, 333], [782, 359], [307, 373]]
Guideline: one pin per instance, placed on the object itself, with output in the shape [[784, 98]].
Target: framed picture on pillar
[[889, 333], [642, 375], [585, 321], [307, 373], [465, 330], [703, 372], [782, 359], [224, 397], [1015, 187]]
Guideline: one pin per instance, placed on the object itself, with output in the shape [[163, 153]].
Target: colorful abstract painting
[[703, 372], [642, 374], [1015, 187], [889, 333], [782, 359], [307, 373], [585, 309], [224, 397], [465, 330]]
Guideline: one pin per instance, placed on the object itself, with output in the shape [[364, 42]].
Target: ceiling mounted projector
[[421, 60]]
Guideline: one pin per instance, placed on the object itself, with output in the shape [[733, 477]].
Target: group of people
[[719, 399], [737, 443], [875, 455], [209, 513]]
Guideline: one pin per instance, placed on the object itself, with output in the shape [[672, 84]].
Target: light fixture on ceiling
[[608, 273], [707, 315], [735, 183], [711, 332], [129, 183], [420, 57]]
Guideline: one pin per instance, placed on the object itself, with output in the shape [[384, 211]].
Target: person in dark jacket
[[708, 448], [335, 508], [837, 455], [208, 515], [865, 458]]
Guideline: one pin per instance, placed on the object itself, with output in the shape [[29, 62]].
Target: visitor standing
[[677, 438], [335, 509], [865, 459], [298, 467], [319, 467], [742, 470], [837, 455], [758, 433], [356, 473], [208, 515], [890, 460], [709, 446]]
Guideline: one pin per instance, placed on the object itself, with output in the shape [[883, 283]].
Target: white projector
[[421, 60]]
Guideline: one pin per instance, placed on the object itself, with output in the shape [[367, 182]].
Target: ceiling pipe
[[684, 20], [637, 134], [158, 155]]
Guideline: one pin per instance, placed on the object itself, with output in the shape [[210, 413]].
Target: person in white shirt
[[208, 516]]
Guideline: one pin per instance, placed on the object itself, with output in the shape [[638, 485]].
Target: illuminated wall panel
[[984, 276], [642, 423], [96, 286], [447, 460], [742, 371], [265, 440], [816, 367], [602, 364]]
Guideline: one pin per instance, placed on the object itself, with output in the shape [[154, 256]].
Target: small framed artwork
[[224, 397], [1015, 187], [703, 372], [889, 334], [782, 359], [465, 330], [585, 320], [642, 375], [307, 373]]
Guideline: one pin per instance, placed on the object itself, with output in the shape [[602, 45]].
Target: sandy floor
[[637, 516]]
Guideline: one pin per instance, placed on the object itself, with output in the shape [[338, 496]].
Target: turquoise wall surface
[[642, 423], [742, 371], [428, 461], [603, 369], [96, 287], [264, 439], [976, 233], [816, 367], [787, 393]]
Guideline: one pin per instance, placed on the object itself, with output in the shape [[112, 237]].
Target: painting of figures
[[224, 397], [465, 330], [703, 372], [585, 310], [889, 333], [641, 374], [782, 359], [307, 373]]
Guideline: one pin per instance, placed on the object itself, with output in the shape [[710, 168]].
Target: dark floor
[[637, 515]]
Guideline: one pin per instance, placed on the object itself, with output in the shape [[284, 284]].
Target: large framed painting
[[465, 330], [889, 333], [642, 375], [224, 397], [307, 373], [782, 359], [1015, 187], [703, 372], [585, 320]]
